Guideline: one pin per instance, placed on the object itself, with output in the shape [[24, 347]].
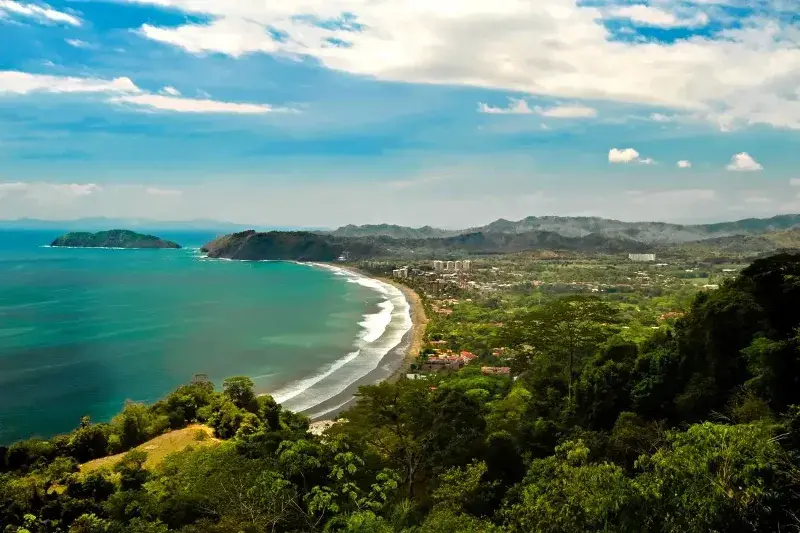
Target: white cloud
[[744, 162], [520, 106], [555, 48], [7, 189], [568, 111], [124, 91], [23, 83], [43, 192], [627, 155], [77, 189], [77, 43], [516, 106], [794, 182], [191, 105], [40, 13], [654, 16], [170, 91], [684, 164], [156, 191], [660, 117]]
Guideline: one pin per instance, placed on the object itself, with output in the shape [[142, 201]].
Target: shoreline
[[419, 321], [394, 364]]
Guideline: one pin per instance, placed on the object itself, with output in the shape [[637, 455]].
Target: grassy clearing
[[158, 448]]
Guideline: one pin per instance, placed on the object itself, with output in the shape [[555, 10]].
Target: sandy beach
[[395, 363]]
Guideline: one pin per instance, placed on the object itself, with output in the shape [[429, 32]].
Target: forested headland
[[691, 427]]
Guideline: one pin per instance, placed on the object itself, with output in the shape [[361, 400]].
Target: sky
[[451, 113]]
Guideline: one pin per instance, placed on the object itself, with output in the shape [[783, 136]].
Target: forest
[[691, 427]]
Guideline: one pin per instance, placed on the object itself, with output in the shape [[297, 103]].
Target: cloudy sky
[[446, 112]]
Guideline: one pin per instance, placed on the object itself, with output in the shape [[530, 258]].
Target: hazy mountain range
[[657, 233]]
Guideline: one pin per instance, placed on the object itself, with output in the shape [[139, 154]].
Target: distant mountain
[[112, 239], [305, 246], [643, 232]]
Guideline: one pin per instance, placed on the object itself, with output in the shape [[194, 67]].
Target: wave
[[381, 333], [298, 387]]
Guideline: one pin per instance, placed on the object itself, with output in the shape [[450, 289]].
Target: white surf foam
[[382, 332], [298, 387]]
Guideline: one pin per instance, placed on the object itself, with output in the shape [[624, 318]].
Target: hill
[[295, 246], [304, 246], [645, 232], [112, 239]]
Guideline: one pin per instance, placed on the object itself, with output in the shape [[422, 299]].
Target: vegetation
[[112, 239], [608, 424]]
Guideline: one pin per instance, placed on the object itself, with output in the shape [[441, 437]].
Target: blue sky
[[450, 113]]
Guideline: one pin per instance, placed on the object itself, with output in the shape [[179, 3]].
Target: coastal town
[[468, 300]]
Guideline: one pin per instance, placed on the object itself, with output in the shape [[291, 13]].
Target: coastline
[[394, 364]]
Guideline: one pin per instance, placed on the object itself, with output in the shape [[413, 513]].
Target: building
[[495, 370], [642, 258], [448, 362], [400, 273], [458, 265], [450, 265], [466, 266], [438, 266]]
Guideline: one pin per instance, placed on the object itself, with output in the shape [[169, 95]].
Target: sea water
[[84, 330]]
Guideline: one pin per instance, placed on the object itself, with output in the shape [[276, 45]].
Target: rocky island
[[117, 238]]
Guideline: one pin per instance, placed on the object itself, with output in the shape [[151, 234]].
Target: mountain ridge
[[643, 232]]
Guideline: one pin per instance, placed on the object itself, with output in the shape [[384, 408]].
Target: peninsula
[[112, 239]]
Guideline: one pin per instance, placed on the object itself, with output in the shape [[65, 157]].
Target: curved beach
[[389, 339]]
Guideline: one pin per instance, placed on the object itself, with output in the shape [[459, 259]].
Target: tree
[[565, 492], [132, 425], [225, 417], [568, 329], [89, 441], [716, 477], [131, 470], [240, 390], [604, 388], [89, 523]]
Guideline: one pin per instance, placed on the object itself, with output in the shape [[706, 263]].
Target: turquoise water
[[81, 331]]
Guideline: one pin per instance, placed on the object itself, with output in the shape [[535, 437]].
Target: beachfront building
[[458, 265], [466, 266], [401, 273], [642, 258], [438, 266], [450, 265]]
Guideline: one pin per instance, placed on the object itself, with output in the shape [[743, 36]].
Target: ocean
[[84, 330]]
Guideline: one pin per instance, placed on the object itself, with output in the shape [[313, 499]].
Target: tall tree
[[568, 330]]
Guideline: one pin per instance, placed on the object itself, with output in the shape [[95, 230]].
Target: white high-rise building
[[450, 265], [438, 266], [642, 258], [459, 265], [466, 265]]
